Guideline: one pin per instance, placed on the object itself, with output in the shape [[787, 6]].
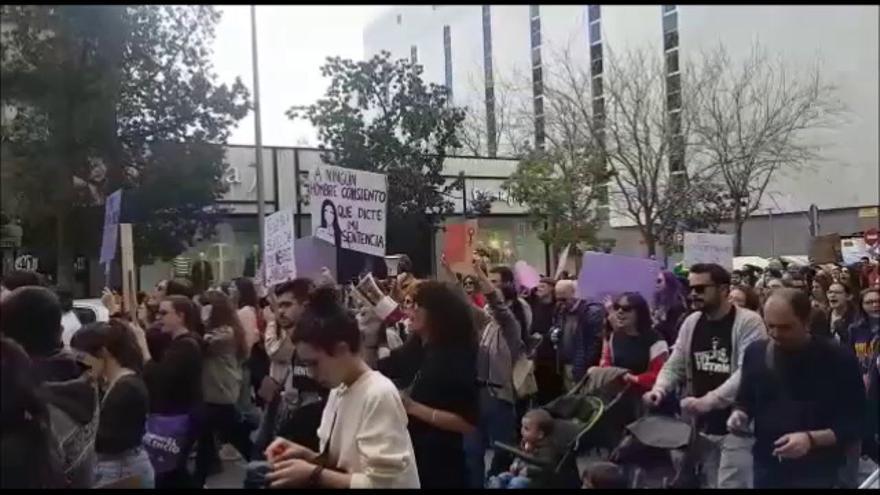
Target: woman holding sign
[[329, 230]]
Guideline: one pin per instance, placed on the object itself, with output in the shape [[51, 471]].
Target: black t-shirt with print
[[711, 350]]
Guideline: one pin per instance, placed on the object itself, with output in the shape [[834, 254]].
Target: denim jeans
[[497, 424], [507, 481], [728, 462], [134, 462]]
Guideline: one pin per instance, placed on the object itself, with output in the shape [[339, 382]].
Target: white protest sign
[[853, 250], [280, 256], [349, 208], [708, 248], [563, 260]]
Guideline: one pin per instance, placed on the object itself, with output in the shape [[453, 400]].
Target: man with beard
[[705, 360], [805, 397]]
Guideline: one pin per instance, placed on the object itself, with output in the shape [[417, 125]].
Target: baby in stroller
[[536, 431]]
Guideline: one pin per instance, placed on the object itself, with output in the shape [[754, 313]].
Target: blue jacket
[[581, 342]]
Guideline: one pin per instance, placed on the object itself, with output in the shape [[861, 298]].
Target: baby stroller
[[582, 420], [660, 451]]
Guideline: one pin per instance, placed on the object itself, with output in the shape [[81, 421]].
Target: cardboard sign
[[708, 248], [312, 255], [825, 249], [605, 275], [280, 249], [458, 246], [852, 250], [111, 226], [526, 275], [349, 207]]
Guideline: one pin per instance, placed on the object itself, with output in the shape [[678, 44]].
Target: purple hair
[[672, 295]]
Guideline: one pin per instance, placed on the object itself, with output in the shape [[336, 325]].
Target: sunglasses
[[622, 307], [699, 289]]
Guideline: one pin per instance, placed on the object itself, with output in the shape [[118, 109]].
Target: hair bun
[[323, 301]]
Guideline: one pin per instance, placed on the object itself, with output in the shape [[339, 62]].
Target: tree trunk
[[650, 241], [738, 222]]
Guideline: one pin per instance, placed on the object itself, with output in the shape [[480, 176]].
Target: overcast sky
[[293, 41]]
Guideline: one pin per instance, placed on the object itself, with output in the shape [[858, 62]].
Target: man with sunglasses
[[705, 361]]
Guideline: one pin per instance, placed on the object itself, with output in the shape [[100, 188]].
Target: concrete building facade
[[473, 48]]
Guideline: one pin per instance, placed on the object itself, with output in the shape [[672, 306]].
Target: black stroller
[[584, 419]]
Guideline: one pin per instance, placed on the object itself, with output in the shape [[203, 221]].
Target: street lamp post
[[258, 137]]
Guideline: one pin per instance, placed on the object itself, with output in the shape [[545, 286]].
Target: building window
[[596, 51], [672, 61], [534, 11], [670, 40], [491, 139], [536, 56], [670, 22], [673, 101], [668, 8], [447, 59], [596, 67], [599, 106], [673, 83], [399, 19], [538, 104], [594, 13], [676, 154], [675, 123], [414, 54], [595, 33], [537, 75], [597, 87]]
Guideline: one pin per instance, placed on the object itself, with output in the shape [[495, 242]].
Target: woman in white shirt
[[364, 442]]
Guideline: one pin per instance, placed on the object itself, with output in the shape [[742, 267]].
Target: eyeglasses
[[699, 289], [622, 307]]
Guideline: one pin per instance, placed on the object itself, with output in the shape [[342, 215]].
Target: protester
[[469, 282], [124, 406], [804, 415], [866, 328], [225, 351], [669, 306], [16, 279], [174, 381], [443, 397], [843, 311], [28, 447], [743, 296], [580, 324], [547, 377], [500, 345], [536, 431], [502, 278], [364, 441], [705, 360], [31, 316], [633, 345], [256, 367]]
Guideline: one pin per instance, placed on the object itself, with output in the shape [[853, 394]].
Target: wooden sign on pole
[[129, 283]]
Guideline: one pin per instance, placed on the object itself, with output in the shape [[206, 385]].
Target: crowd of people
[[315, 384]]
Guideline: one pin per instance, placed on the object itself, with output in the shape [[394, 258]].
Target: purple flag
[[312, 255], [607, 274]]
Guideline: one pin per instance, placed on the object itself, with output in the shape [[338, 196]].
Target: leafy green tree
[[379, 115], [109, 97], [562, 188]]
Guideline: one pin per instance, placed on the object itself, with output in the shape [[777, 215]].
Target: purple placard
[[112, 208], [607, 274], [526, 275], [312, 255]]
